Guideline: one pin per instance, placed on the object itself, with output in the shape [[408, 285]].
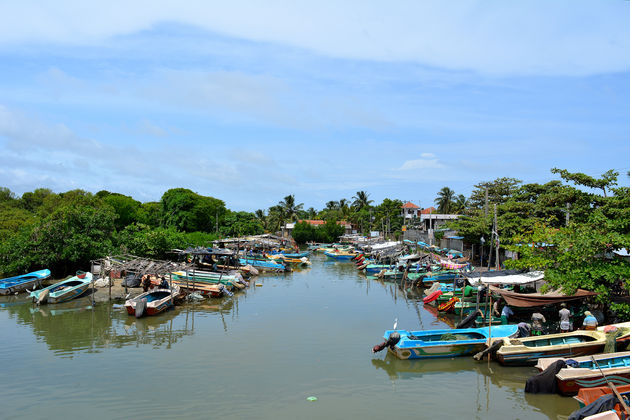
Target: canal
[[257, 355]]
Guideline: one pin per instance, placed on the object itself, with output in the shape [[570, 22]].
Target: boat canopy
[[528, 300], [515, 277]]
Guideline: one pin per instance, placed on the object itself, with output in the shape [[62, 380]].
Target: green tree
[[303, 232], [143, 241], [241, 223], [65, 240], [290, 208], [444, 200], [361, 200], [189, 212], [127, 209], [32, 201], [580, 254]]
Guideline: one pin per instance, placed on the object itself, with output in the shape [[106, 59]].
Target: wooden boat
[[340, 255], [616, 367], [64, 290], [586, 396], [445, 343], [263, 264], [215, 290], [229, 280], [16, 284], [526, 351], [152, 302]]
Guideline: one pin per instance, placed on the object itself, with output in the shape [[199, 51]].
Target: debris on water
[[195, 297], [311, 399], [258, 284]]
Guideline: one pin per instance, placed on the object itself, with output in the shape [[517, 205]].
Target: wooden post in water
[[490, 328], [92, 272]]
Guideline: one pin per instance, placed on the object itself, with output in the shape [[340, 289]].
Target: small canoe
[[64, 290], [526, 351], [151, 303], [16, 284], [445, 343], [586, 374]]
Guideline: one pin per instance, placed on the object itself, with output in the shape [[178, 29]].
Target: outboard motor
[[393, 339]]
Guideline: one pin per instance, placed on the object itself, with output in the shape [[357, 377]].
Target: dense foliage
[[328, 232], [64, 231], [570, 229]]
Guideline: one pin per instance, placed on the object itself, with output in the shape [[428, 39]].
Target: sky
[[250, 101]]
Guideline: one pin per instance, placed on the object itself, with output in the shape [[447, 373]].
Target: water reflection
[[78, 326]]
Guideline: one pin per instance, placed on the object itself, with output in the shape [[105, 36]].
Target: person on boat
[[565, 318], [506, 312], [495, 308], [537, 320], [590, 322]]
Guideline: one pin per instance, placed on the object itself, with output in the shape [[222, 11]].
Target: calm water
[[257, 355]]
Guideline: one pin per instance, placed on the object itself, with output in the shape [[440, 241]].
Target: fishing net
[[611, 339], [453, 337]]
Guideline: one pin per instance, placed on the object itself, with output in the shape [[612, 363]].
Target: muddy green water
[[258, 355]]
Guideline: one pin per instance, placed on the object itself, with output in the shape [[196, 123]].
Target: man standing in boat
[[565, 316]]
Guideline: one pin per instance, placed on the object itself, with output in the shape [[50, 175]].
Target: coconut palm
[[290, 208], [260, 215], [361, 200], [460, 203], [344, 208], [444, 200]]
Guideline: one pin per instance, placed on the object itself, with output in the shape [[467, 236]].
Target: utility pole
[[496, 232], [566, 221]]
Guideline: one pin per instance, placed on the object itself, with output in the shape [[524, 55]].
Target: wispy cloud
[[534, 37], [426, 161]]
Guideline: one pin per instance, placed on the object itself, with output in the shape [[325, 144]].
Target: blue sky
[[251, 101]]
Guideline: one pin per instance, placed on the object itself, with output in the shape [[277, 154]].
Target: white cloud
[[575, 37], [427, 161]]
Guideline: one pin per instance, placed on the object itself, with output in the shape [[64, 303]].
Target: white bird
[[395, 323]]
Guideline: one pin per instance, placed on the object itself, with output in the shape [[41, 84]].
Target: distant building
[[434, 220], [410, 210]]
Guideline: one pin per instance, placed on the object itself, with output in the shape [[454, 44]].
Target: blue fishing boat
[[297, 254], [265, 264], [427, 344], [64, 290], [340, 255], [25, 281]]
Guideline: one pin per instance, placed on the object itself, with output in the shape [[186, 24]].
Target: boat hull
[[64, 290], [158, 301], [20, 283], [431, 344], [527, 351]]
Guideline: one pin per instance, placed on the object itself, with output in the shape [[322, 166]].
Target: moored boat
[[584, 373], [445, 343], [25, 281], [64, 290], [340, 255], [152, 302], [526, 351]]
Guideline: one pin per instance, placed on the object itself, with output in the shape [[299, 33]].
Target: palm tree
[[260, 215], [361, 200], [344, 208], [332, 205], [276, 218], [289, 207], [460, 204], [444, 200]]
